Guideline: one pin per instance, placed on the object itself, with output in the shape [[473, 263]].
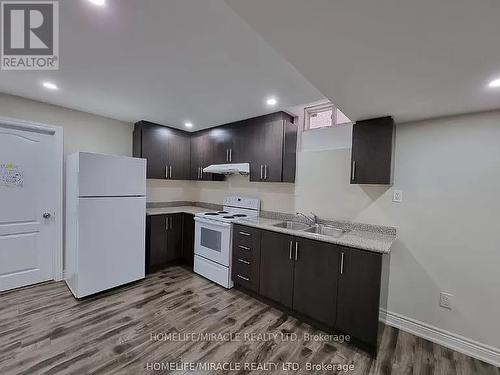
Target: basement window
[[323, 116]]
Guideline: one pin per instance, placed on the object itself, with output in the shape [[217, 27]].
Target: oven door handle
[[211, 222]]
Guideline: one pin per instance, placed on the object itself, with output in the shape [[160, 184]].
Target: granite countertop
[[175, 209], [375, 241]]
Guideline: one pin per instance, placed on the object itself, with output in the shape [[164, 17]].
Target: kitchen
[[418, 226]]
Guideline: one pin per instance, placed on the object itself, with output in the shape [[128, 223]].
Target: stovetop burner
[[222, 212], [229, 217], [239, 215], [211, 213]]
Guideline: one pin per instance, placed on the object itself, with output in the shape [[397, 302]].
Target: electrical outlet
[[397, 196], [445, 300]]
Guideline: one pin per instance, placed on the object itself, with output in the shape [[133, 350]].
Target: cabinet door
[[154, 149], [178, 155], [201, 155], [359, 294], [188, 239], [157, 250], [266, 147], [316, 279], [174, 237], [276, 267], [372, 151], [220, 143]]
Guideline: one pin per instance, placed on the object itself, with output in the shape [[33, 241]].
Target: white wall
[[82, 131]]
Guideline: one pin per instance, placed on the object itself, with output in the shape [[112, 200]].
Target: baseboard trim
[[439, 336]]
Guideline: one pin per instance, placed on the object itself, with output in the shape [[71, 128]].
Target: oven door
[[212, 240]]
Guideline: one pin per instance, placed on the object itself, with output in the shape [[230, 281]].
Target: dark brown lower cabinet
[[315, 279], [276, 267], [156, 242], [174, 236], [335, 287], [359, 294], [169, 238]]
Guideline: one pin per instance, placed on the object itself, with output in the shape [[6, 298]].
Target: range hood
[[241, 168]]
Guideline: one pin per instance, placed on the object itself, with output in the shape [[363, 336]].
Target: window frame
[[318, 108]]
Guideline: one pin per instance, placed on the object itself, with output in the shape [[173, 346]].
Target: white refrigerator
[[105, 222]]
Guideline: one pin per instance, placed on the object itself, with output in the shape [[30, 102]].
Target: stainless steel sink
[[293, 225], [327, 230]]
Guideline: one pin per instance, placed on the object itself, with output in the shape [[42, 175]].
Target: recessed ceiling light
[[495, 83], [98, 2], [188, 125], [271, 101], [50, 85]]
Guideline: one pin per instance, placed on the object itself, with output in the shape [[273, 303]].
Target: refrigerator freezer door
[[111, 235], [110, 176]]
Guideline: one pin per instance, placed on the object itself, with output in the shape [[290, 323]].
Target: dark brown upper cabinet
[[372, 157], [268, 143], [167, 150], [272, 143]]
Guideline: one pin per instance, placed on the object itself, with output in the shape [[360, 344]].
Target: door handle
[[342, 263], [46, 215], [243, 261], [353, 170], [166, 171], [244, 247], [170, 171], [230, 154], [227, 154], [265, 172], [290, 250], [245, 234], [243, 277], [261, 172], [296, 251], [167, 226]]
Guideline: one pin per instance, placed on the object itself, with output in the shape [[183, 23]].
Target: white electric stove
[[213, 238]]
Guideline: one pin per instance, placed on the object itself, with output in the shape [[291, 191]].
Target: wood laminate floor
[[44, 330]]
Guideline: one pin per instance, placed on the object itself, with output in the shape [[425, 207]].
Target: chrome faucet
[[313, 219]]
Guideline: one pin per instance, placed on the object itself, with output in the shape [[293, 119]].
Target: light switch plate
[[397, 196]]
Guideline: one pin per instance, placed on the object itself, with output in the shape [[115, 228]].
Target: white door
[[28, 204]]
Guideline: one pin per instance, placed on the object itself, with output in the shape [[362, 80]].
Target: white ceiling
[[413, 59], [164, 61]]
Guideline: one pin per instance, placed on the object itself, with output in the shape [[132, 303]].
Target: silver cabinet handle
[[227, 154], [265, 172], [296, 251], [230, 154], [290, 250], [166, 171], [243, 261], [243, 277], [353, 170], [245, 234], [167, 224], [244, 247], [342, 263], [170, 171], [201, 173], [261, 172]]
